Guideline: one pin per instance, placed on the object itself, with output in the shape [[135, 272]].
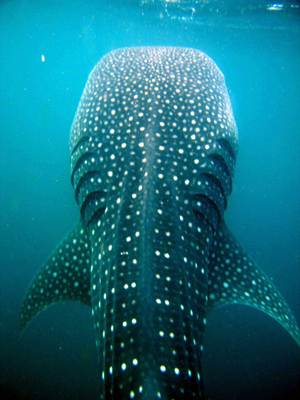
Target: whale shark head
[[153, 122], [153, 147]]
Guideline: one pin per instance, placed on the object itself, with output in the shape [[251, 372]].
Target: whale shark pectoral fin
[[65, 276], [235, 279]]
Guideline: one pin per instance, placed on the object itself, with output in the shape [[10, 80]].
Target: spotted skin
[[65, 276], [153, 149], [235, 279]]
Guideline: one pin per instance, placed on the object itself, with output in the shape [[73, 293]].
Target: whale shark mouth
[[153, 149]]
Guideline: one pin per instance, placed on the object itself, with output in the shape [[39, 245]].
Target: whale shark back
[[153, 149]]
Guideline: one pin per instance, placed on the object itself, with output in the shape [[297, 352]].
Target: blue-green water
[[47, 50]]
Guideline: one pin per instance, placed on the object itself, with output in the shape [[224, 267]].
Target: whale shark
[[153, 149]]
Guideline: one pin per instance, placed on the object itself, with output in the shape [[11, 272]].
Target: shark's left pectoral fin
[[235, 279], [65, 276]]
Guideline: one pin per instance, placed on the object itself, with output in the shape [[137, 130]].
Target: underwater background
[[47, 49]]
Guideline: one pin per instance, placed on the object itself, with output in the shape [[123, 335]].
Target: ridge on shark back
[[153, 149]]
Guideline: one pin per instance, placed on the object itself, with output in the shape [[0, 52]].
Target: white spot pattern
[[159, 128], [153, 151]]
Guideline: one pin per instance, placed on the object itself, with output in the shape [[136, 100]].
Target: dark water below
[[248, 356]]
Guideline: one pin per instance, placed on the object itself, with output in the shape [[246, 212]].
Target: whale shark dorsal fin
[[235, 279], [65, 276]]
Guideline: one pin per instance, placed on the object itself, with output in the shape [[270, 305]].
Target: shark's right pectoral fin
[[65, 276], [235, 279]]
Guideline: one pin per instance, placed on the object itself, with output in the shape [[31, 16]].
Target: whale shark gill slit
[[92, 206], [220, 167], [224, 150], [81, 142], [84, 157], [207, 209], [215, 182], [90, 176], [224, 143]]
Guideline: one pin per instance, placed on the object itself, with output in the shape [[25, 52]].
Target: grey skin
[[153, 149]]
